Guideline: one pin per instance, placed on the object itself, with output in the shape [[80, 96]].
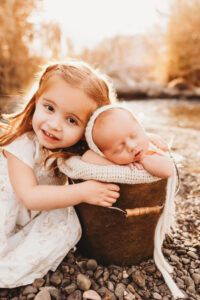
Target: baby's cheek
[[123, 159]]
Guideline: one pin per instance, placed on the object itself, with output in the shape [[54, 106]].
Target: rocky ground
[[77, 275]]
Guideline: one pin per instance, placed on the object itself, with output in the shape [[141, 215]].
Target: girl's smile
[[49, 137], [61, 114]]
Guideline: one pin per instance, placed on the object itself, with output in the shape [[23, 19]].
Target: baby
[[114, 136]]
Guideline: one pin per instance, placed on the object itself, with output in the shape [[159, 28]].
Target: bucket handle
[[139, 211]]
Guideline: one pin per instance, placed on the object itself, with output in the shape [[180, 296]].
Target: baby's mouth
[[138, 154]]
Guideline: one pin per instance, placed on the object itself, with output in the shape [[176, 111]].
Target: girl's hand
[[100, 193], [158, 141]]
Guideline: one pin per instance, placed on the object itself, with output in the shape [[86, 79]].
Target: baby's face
[[120, 137]]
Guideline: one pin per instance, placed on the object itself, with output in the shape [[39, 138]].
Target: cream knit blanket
[[75, 168]]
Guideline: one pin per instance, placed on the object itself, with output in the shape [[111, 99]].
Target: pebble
[[157, 296], [174, 258], [192, 254], [70, 288], [53, 291], [29, 290], [94, 285], [55, 279], [129, 296], [76, 295], [90, 294], [38, 283], [98, 273], [139, 279], [125, 274], [91, 264], [196, 278], [83, 282], [30, 296], [104, 292], [119, 290], [65, 268], [106, 275], [110, 286], [150, 269], [180, 283], [185, 260], [43, 295]]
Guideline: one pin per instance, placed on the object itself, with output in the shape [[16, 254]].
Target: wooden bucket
[[112, 238]]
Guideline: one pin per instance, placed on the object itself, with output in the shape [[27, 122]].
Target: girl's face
[[123, 139], [61, 114]]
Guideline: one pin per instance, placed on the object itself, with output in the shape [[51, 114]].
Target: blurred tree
[[19, 39], [121, 56], [181, 59], [16, 64]]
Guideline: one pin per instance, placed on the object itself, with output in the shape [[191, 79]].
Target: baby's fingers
[[131, 166], [139, 166]]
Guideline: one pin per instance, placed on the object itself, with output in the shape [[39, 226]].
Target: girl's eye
[[71, 121], [49, 107]]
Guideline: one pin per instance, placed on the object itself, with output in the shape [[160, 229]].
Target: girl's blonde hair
[[77, 74]]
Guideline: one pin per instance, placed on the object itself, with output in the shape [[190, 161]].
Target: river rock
[[83, 282], [29, 290], [139, 279], [43, 295], [119, 290], [91, 264], [90, 294], [76, 295], [70, 288]]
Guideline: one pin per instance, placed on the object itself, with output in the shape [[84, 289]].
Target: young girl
[[115, 136], [38, 224]]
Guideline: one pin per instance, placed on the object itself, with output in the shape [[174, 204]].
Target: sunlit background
[[148, 48], [88, 22]]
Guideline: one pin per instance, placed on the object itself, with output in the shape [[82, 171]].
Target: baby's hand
[[135, 164], [100, 193]]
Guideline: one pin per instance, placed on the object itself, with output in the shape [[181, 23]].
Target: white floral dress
[[31, 242]]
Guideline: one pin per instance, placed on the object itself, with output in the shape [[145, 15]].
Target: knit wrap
[[75, 168]]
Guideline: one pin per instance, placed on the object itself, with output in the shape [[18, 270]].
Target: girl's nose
[[55, 123]]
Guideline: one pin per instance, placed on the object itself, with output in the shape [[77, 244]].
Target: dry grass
[[181, 58]]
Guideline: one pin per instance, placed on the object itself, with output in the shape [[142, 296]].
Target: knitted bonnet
[[89, 127]]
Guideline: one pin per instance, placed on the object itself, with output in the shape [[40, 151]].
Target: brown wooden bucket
[[112, 238]]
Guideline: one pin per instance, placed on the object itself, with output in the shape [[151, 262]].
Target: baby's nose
[[131, 145]]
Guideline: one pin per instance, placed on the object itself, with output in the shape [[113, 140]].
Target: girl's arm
[[45, 197], [157, 165]]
